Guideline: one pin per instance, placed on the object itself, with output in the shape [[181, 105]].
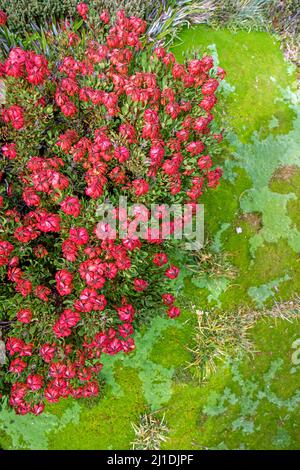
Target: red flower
[[37, 408], [43, 292], [201, 124], [178, 70], [91, 390], [137, 24], [17, 366], [114, 347], [207, 63], [92, 271], [140, 285], [40, 251], [160, 259], [4, 253], [156, 155], [47, 352], [66, 140], [79, 236], [51, 395], [221, 73], [26, 234], [9, 150], [125, 330], [95, 187], [5, 250], [69, 318], [36, 68], [14, 345], [69, 250], [128, 345], [204, 162], [169, 58], [105, 17], [208, 102], [195, 67], [15, 115], [173, 109], [195, 147], [128, 132], [83, 10], [90, 300], [63, 282], [160, 52], [141, 187], [57, 369], [183, 135], [110, 270], [173, 312], [131, 243], [214, 177], [26, 349], [61, 330], [68, 108], [3, 18], [70, 86], [126, 313], [122, 154], [30, 197], [210, 86], [171, 167], [24, 315], [49, 223], [34, 382], [24, 287], [172, 272], [71, 206], [168, 299]]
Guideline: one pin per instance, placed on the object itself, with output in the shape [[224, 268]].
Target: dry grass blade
[[223, 335], [150, 433], [219, 335], [214, 263]]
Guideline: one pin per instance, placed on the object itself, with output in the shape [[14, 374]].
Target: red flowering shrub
[[102, 116]]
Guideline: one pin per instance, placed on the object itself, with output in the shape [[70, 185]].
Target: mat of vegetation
[[225, 375]]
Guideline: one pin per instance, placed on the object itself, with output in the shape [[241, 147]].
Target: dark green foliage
[[22, 13]]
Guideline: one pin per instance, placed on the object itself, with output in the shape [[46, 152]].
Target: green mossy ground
[[253, 402], [255, 67]]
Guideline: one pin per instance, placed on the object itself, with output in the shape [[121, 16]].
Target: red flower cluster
[[107, 119], [26, 64], [15, 116]]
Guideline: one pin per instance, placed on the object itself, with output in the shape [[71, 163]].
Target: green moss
[[290, 185], [170, 348], [106, 425], [245, 403], [31, 432], [255, 67]]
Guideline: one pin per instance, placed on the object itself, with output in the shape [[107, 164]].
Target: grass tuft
[[219, 336], [150, 433]]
